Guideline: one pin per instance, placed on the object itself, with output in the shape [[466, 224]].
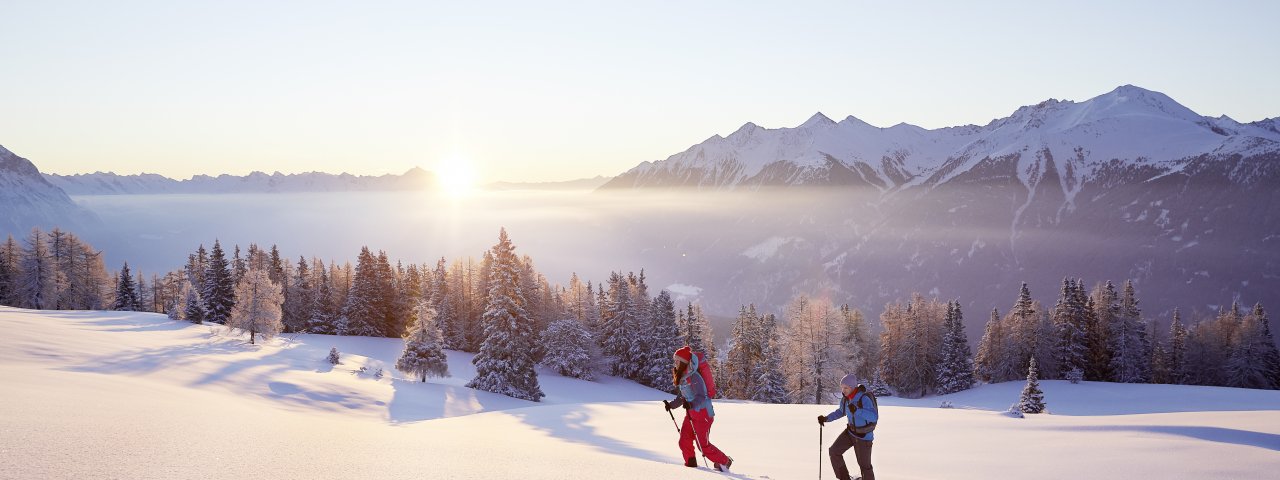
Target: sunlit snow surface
[[123, 395]]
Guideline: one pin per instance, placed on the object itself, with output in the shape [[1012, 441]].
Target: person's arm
[[836, 415], [674, 404]]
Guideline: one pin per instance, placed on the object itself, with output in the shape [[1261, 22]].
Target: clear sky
[[547, 90]]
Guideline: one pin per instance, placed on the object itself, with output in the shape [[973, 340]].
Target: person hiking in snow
[[860, 408], [699, 414]]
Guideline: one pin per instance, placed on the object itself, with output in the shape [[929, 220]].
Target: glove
[[666, 405], [822, 420]]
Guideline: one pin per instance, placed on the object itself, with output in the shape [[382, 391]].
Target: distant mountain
[[107, 183], [28, 200], [579, 184], [1126, 185], [1129, 124]]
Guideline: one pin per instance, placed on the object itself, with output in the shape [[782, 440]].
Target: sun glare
[[456, 177]]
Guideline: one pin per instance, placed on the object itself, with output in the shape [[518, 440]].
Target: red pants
[[698, 421]]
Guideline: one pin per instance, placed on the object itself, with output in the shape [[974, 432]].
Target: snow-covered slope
[[108, 183], [28, 200], [1129, 124], [130, 395]]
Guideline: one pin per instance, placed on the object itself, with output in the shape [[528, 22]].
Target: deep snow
[[129, 395]]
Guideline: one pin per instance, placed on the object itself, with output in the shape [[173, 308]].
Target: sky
[[551, 90]]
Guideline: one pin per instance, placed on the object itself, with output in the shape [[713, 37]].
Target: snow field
[[127, 395]]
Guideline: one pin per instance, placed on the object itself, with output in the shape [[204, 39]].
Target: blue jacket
[[859, 410], [693, 390]]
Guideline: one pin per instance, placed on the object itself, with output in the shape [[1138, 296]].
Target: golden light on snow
[[456, 176]]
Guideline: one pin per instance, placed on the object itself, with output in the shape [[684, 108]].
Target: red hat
[[684, 353]]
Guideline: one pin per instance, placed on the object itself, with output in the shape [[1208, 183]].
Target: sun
[[456, 176]]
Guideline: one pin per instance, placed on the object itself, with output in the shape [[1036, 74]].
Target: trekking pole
[[697, 442], [673, 421], [819, 451]]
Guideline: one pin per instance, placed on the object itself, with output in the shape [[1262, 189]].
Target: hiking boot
[[724, 467], [691, 462]]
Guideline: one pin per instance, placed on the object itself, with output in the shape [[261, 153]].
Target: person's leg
[[843, 442], [702, 424], [686, 440], [862, 449]]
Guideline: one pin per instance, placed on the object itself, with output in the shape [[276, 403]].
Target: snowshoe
[[724, 467]]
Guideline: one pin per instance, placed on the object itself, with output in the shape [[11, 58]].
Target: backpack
[[704, 370], [870, 426]]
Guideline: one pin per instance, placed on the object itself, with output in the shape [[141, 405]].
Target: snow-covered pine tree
[[1177, 349], [1022, 333], [505, 362], [238, 265], [324, 309], [741, 361], [642, 360], [451, 322], [771, 384], [361, 309], [477, 280], [192, 304], [257, 309], [570, 349], [1161, 371], [811, 352], [955, 373], [219, 288], [662, 339], [37, 286], [1105, 309], [1247, 365], [10, 262], [991, 352], [1032, 399], [878, 386], [126, 292], [1270, 355], [1129, 360], [334, 357], [299, 299], [423, 354], [177, 309], [1070, 347]]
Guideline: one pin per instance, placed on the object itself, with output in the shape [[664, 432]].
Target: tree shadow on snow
[[415, 401], [1247, 438], [138, 362]]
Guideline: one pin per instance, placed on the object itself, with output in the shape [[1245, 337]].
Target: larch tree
[[257, 308]]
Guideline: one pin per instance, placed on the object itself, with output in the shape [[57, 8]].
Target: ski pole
[[819, 451], [673, 421]]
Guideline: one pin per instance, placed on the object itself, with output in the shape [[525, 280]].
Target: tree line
[[513, 317]]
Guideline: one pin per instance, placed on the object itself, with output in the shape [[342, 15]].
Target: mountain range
[[29, 200], [1126, 185]]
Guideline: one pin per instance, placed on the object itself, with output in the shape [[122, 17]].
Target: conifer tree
[[449, 316], [1270, 355], [743, 358], [505, 364], [423, 346], [1032, 399], [771, 384], [257, 309], [361, 310], [299, 298], [859, 345], [192, 305], [1070, 330], [219, 289], [1247, 363], [955, 373], [661, 341], [1128, 342], [1177, 349], [126, 292], [569, 349], [10, 262], [1105, 309], [324, 308], [990, 360]]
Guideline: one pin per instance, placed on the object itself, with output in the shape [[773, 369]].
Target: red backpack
[[704, 370]]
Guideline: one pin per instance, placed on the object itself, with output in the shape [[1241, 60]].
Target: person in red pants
[[699, 414]]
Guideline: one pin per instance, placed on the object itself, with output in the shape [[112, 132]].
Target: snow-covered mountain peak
[[818, 120]]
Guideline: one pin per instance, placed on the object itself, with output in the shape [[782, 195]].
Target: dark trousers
[[861, 449]]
